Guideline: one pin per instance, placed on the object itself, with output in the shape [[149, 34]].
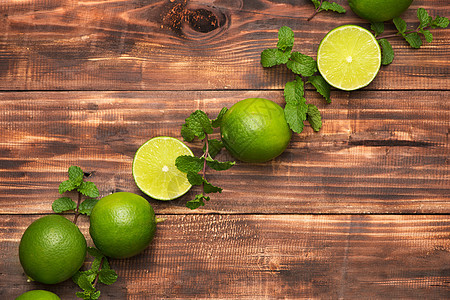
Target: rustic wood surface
[[359, 210]]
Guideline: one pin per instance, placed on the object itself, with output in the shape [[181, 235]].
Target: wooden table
[[359, 210]]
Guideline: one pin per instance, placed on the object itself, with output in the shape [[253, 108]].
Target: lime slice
[[349, 57], [154, 169]]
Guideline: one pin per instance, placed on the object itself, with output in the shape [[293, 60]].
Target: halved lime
[[349, 57], [154, 169]]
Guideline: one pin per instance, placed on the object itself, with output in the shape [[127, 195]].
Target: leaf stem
[[394, 34], [77, 209], [316, 11], [204, 161], [98, 274]]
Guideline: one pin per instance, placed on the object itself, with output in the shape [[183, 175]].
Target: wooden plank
[[378, 152], [267, 256], [157, 45]]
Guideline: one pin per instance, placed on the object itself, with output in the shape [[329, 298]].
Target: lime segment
[[154, 169], [349, 57]]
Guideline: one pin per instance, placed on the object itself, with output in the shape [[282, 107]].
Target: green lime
[[154, 169], [379, 10], [122, 224], [38, 295], [52, 249], [255, 130], [349, 57]]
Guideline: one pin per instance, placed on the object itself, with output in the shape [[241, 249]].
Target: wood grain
[[268, 256], [197, 45], [378, 152]]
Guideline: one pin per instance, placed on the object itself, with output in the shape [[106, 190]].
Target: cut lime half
[[154, 169], [349, 57]]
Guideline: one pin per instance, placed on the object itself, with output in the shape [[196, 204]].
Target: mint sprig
[[321, 5], [413, 37], [199, 125], [100, 271], [76, 182], [296, 108]]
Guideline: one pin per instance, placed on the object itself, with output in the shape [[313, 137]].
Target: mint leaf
[[209, 188], [427, 34], [295, 114], [187, 134], [321, 86], [314, 117], [87, 205], [107, 276], [194, 178], [294, 91], [413, 39], [214, 147], [63, 204], [219, 166], [387, 53], [377, 27], [76, 175], [273, 57], [316, 3], [441, 22], [216, 122], [302, 64], [333, 6], [66, 186], [198, 201], [424, 17], [96, 264], [285, 38], [198, 124], [85, 283], [400, 24], [188, 163], [94, 252], [89, 189]]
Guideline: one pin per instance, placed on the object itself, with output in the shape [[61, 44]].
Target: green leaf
[[400, 24], [63, 204], [314, 117], [316, 3], [333, 6], [76, 175], [85, 283], [209, 188], [321, 86], [302, 64], [199, 124], [107, 276], [377, 27], [423, 17], [295, 114], [88, 189], [285, 38], [216, 122], [273, 57], [194, 178], [387, 53], [95, 295], [441, 22], [187, 134], [95, 266], [66, 186], [427, 34], [294, 91], [198, 201], [219, 166], [94, 252], [214, 147], [413, 40], [188, 163], [87, 205]]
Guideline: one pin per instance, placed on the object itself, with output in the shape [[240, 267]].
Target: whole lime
[[255, 130], [38, 295], [52, 249], [122, 224], [379, 10]]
